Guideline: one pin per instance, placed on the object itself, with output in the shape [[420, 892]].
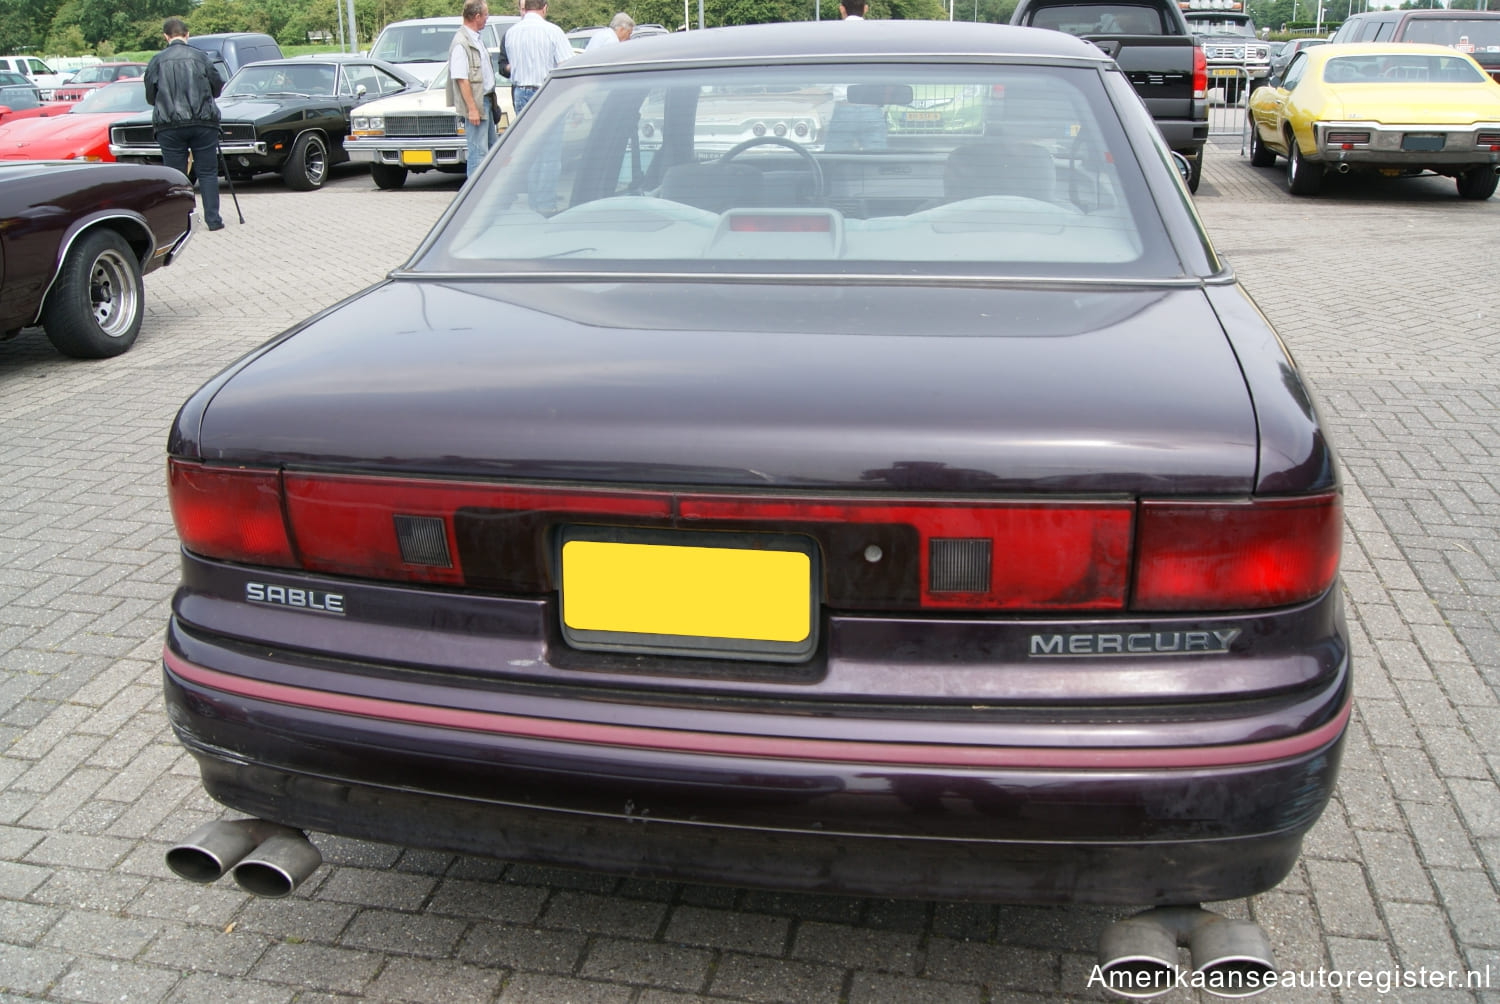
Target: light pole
[[353, 34]]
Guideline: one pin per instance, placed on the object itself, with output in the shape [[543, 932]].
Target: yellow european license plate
[[1224, 71], [416, 156], [701, 594]]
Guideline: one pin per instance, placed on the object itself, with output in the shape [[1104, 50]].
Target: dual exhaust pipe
[[266, 858], [1138, 956]]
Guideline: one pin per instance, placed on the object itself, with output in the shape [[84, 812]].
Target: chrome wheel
[[113, 294]]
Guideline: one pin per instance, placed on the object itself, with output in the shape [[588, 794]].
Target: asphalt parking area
[[1385, 291]]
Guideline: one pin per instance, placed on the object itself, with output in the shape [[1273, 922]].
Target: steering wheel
[[812, 164]]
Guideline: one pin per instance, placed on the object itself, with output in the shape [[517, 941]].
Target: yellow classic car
[[1393, 108]]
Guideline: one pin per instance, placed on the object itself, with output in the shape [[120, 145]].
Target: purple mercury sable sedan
[[813, 456]]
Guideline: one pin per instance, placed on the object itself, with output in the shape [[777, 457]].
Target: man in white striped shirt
[[534, 46]]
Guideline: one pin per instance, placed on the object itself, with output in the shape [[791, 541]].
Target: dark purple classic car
[[75, 240], [932, 515]]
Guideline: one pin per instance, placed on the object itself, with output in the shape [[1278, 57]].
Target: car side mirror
[[359, 93], [1184, 166]]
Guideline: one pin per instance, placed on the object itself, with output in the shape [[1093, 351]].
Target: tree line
[[106, 27]]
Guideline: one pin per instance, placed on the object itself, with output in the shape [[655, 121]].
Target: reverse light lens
[[233, 514], [1236, 556]]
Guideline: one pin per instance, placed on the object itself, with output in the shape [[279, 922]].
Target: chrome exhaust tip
[[1343, 168], [214, 848], [1138, 956], [278, 866]]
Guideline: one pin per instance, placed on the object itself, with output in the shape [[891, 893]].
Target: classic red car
[[91, 78], [80, 133]]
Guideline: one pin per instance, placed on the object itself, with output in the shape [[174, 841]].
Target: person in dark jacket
[[181, 84]]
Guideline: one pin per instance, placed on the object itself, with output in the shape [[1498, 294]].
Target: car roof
[[836, 41], [1449, 14], [443, 19], [1327, 52], [338, 58]]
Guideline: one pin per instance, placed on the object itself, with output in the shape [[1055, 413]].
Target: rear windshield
[[1478, 35], [814, 169], [1403, 68], [19, 97], [1099, 19]]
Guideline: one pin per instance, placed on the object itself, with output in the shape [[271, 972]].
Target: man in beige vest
[[471, 83]]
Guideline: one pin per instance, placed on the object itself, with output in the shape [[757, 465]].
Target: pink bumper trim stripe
[[762, 747]]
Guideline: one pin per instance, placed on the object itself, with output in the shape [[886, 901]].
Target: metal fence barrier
[[1228, 100]]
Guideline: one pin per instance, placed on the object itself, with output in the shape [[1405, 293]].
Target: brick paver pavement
[[1387, 293]]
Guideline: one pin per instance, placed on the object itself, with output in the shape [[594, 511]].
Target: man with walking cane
[[181, 84]]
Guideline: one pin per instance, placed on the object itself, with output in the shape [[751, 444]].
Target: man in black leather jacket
[[181, 84]]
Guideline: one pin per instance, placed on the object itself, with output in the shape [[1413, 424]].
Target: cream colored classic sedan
[[414, 132], [1394, 108]]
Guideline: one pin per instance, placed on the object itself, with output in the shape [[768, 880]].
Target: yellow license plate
[[701, 594], [922, 117], [1224, 71], [416, 156]]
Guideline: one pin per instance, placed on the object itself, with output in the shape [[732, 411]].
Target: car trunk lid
[[907, 388]]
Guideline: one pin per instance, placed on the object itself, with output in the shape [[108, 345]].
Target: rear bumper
[[1387, 145], [631, 840], [170, 254], [1184, 135], [1131, 825]]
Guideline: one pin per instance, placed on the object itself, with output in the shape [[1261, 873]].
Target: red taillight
[[229, 513], [1236, 556], [346, 525], [959, 555], [1063, 556], [1200, 74]]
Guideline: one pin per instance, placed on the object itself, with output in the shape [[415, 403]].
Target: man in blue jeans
[[181, 84], [471, 83], [534, 46]]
